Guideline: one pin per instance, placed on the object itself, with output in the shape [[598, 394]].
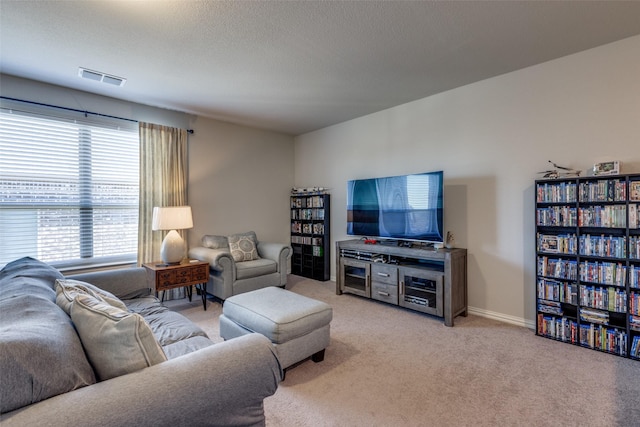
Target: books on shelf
[[606, 298], [588, 262], [606, 273], [634, 191], [557, 216], [600, 337], [594, 316], [603, 246], [553, 290], [558, 268], [560, 328], [298, 201], [558, 243], [607, 216], [557, 192], [550, 307], [634, 307], [635, 347], [301, 240], [634, 276], [308, 214], [603, 190]]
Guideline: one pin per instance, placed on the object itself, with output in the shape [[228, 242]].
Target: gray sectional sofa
[[56, 372]]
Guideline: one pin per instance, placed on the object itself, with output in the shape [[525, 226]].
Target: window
[[68, 189]]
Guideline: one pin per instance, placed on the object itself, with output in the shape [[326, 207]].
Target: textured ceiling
[[295, 66]]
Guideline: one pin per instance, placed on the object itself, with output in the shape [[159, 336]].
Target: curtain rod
[[75, 110]]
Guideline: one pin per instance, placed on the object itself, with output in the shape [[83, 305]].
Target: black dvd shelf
[[310, 236], [588, 262]]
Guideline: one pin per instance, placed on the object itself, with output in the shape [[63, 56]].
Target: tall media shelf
[[310, 236], [588, 262]]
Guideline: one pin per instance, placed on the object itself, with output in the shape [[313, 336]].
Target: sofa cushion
[[117, 342], [40, 353], [185, 346], [168, 326], [215, 242], [243, 246], [68, 289], [145, 306], [259, 267], [28, 276]]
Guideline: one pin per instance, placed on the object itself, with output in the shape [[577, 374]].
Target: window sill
[[68, 268]]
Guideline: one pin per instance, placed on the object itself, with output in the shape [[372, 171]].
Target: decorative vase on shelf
[[450, 242]]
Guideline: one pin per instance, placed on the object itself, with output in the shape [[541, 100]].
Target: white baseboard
[[518, 321]]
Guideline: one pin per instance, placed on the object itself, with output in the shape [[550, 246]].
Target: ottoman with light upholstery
[[297, 326]]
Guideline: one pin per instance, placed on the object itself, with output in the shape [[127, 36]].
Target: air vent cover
[[101, 77]]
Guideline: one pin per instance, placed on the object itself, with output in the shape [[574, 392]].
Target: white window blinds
[[68, 190]]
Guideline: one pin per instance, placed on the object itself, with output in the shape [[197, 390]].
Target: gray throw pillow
[[215, 242], [117, 342]]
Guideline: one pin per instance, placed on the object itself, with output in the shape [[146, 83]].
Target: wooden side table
[[169, 276]]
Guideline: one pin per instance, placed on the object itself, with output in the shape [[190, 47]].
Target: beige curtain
[[163, 182]]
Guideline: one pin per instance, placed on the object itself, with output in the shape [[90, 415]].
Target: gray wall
[[491, 138], [239, 177]]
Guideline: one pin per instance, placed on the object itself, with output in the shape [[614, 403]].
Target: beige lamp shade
[[172, 218]]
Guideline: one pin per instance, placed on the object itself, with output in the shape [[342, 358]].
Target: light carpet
[[387, 366]]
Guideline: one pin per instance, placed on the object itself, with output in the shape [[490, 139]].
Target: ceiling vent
[[101, 77]]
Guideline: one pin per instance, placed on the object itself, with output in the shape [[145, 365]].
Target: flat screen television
[[407, 207]]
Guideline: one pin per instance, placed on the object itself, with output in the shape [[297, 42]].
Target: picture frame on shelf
[[606, 168]]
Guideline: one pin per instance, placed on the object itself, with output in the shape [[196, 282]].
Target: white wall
[[239, 177], [491, 138]]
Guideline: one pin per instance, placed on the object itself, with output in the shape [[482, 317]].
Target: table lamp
[[172, 218]]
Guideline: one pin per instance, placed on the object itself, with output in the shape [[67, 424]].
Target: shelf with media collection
[[588, 262], [310, 235]]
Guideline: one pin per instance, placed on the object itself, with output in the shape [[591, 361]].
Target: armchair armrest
[[223, 384], [218, 259], [277, 252]]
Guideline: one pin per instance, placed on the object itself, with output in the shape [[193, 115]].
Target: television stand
[[428, 280]]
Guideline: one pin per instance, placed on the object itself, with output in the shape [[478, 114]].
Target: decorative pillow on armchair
[[215, 242], [243, 246]]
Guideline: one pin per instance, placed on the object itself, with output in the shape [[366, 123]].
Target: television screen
[[408, 207]]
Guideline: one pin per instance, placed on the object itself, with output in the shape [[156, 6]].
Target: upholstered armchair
[[240, 263]]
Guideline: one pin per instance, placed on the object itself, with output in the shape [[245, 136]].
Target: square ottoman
[[297, 326]]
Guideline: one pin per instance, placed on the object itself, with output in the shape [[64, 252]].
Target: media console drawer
[[383, 273], [384, 292]]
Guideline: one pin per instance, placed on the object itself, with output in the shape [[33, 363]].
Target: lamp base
[[172, 249]]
